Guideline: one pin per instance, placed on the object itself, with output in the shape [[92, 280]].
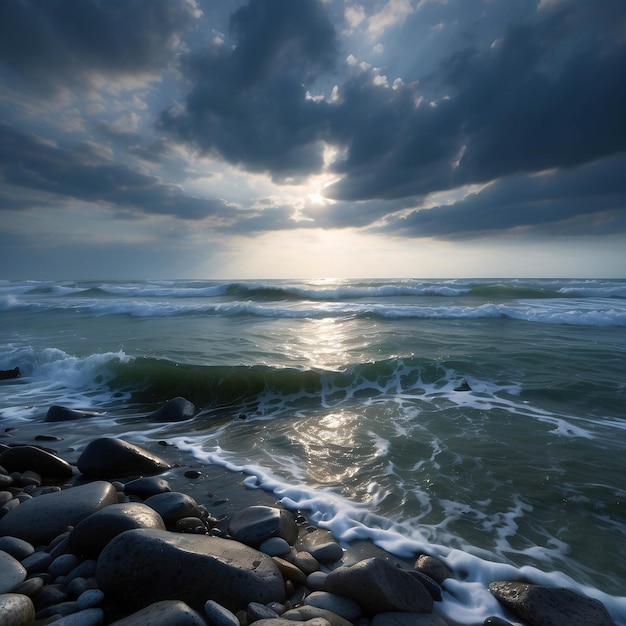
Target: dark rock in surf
[[550, 606], [91, 535], [254, 524], [9, 374], [23, 458], [433, 568], [41, 519], [57, 413], [464, 386], [115, 458], [139, 567], [175, 410], [378, 586]]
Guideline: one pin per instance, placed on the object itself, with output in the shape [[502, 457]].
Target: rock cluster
[[108, 542]]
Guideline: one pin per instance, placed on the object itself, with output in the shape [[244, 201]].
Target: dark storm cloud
[[248, 102], [549, 94], [81, 173], [56, 44], [552, 203]]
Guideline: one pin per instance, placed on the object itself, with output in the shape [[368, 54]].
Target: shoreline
[[223, 494]]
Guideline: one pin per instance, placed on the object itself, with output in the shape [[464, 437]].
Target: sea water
[[345, 398]]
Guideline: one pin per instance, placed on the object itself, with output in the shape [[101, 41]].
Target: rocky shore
[[113, 537]]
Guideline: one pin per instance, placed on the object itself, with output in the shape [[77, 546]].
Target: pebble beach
[[117, 533]]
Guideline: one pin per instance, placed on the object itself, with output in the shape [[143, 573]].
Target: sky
[[312, 138]]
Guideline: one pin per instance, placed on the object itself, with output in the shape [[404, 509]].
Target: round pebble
[[275, 546], [16, 609], [329, 552], [219, 615], [338, 604], [90, 599], [316, 580], [17, 548], [63, 565]]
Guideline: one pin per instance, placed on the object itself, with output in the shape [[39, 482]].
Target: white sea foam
[[466, 598]]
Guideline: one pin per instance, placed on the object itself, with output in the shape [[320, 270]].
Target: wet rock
[[141, 566], [290, 571], [12, 572], [329, 552], [341, 605], [378, 586], [219, 615], [30, 587], [110, 457], [63, 565], [433, 568], [463, 386], [91, 535], [257, 611], [22, 458], [146, 487], [58, 413], [431, 586], [174, 410], [17, 548], [255, 524], [550, 606], [275, 546], [306, 562], [16, 610], [408, 619], [37, 562], [173, 506], [9, 374], [496, 621], [41, 519]]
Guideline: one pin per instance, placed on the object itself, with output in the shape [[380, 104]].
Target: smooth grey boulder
[[16, 610], [91, 535], [379, 586], [142, 566], [23, 458], [57, 413], [255, 524], [41, 519], [110, 457], [12, 572], [341, 605], [174, 410], [173, 506], [550, 606]]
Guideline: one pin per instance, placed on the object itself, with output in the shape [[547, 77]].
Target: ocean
[[345, 398]]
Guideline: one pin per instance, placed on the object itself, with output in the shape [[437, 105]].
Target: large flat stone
[[110, 457], [41, 519], [550, 606], [379, 586], [23, 458], [140, 567]]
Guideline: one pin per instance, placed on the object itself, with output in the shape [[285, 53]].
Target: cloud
[[588, 200], [79, 44], [248, 103], [82, 172]]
